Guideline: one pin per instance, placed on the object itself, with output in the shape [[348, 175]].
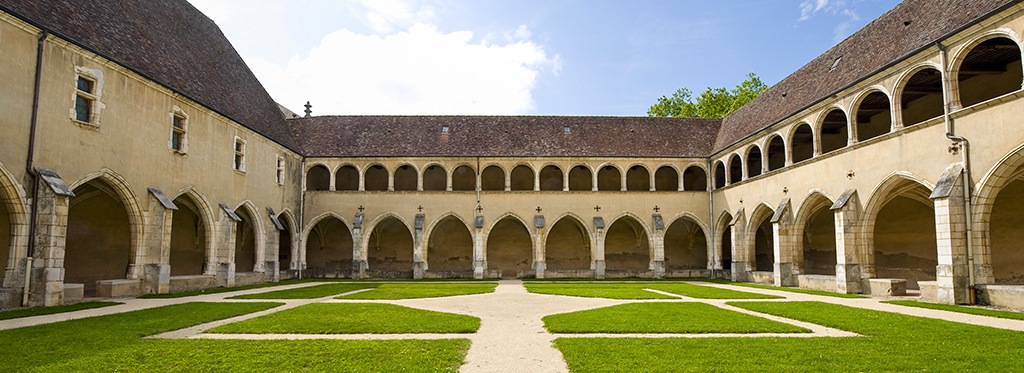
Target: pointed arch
[[250, 239], [13, 228], [389, 246], [761, 238], [286, 241], [627, 246], [815, 234], [997, 215], [567, 245], [192, 234], [723, 245], [449, 246], [510, 246], [898, 230], [327, 246], [686, 243]]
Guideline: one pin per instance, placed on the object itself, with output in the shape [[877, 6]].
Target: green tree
[[712, 103]]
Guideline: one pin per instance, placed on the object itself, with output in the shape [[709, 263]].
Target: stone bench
[[929, 291], [74, 293], [817, 282], [191, 283], [888, 286], [118, 288]]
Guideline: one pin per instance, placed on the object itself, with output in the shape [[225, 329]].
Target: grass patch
[[795, 290], [920, 344], [113, 343], [707, 292], [961, 309], [413, 290], [41, 311], [675, 317], [596, 290], [309, 292], [225, 289], [353, 318]]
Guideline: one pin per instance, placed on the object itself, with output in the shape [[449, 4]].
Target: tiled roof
[[498, 136], [910, 26], [168, 41]]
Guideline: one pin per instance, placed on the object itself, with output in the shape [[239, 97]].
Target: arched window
[[776, 153], [719, 175], [551, 178], [834, 134], [464, 179], [921, 98], [580, 178], [609, 179], [638, 179], [735, 169], [991, 69], [695, 179], [318, 178], [521, 178], [874, 116], [435, 178], [492, 178], [666, 179], [406, 178], [376, 178], [753, 161], [802, 143], [347, 178]]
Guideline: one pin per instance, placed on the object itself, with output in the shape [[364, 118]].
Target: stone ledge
[[74, 293], [888, 286], [817, 282], [118, 288], [1008, 296]]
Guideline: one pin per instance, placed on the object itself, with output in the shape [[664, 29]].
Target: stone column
[[419, 248], [742, 260], [224, 263], [46, 286], [848, 270], [359, 261], [782, 245], [479, 253], [598, 254], [153, 264], [951, 274], [540, 254], [658, 246]]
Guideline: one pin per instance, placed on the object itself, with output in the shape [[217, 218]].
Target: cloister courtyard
[[511, 325]]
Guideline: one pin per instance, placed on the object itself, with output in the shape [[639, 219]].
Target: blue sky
[[570, 57]]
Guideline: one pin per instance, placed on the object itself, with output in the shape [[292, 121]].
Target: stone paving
[[512, 337]]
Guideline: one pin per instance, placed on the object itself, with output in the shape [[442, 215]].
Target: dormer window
[[566, 130], [444, 129]]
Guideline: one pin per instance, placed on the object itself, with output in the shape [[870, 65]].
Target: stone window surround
[[176, 112], [280, 170], [95, 97], [238, 158]]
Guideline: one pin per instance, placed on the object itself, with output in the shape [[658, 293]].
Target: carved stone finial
[[309, 109]]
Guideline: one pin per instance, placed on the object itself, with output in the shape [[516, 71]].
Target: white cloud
[[809, 7], [418, 70], [837, 8], [387, 16]]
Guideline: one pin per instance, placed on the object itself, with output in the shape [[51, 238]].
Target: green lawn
[[793, 290], [961, 309], [224, 289], [597, 290], [113, 343], [309, 292], [353, 318], [675, 317], [891, 342], [415, 290], [706, 292], [40, 311]]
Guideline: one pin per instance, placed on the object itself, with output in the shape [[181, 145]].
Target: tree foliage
[[712, 103]]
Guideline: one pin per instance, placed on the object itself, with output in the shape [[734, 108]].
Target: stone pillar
[[46, 286], [951, 274], [479, 253], [153, 264], [598, 254], [419, 248], [271, 270], [658, 246], [359, 261], [224, 265], [540, 254], [848, 270], [742, 258], [783, 245]]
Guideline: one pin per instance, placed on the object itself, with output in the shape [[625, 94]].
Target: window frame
[[280, 174], [178, 114], [238, 158], [92, 97]]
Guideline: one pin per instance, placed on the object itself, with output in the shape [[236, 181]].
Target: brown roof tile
[[168, 41], [880, 43], [500, 136]]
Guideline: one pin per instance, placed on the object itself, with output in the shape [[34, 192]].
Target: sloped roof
[[904, 30], [169, 42], [504, 136]]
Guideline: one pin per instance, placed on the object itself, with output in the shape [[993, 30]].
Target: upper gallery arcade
[[146, 158]]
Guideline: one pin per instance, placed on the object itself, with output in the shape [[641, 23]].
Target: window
[[280, 170], [179, 131], [239, 155], [85, 101]]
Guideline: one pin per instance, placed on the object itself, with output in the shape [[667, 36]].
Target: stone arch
[[775, 149], [754, 162], [996, 213], [666, 179], [686, 244], [833, 130], [435, 178], [723, 245], [551, 178], [609, 178], [918, 95], [192, 234], [872, 114], [346, 178], [407, 178], [627, 245], [492, 178], [567, 245], [720, 175], [815, 234], [695, 179], [802, 143], [102, 244], [987, 67], [14, 218], [286, 241], [450, 247], [318, 177], [389, 247], [327, 245], [464, 178], [638, 178], [581, 178], [509, 246], [761, 238], [249, 239], [376, 178], [735, 168], [898, 230], [521, 178]]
